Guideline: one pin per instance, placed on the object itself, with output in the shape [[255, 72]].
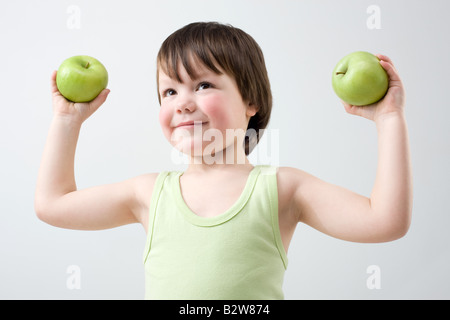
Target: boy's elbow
[[400, 231], [39, 210], [396, 228], [403, 230], [405, 223], [42, 210]]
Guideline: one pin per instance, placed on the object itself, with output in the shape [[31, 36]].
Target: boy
[[222, 228]]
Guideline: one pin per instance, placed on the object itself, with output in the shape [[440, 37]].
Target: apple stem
[[87, 65], [340, 72]]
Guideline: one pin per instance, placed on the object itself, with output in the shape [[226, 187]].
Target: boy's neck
[[220, 162], [211, 168]]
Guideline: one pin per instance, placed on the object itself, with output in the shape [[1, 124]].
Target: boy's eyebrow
[[204, 72], [197, 74]]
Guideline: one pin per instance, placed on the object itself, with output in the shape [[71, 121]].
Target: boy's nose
[[186, 105]]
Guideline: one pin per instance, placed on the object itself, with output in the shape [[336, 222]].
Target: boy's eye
[[169, 92], [204, 85]]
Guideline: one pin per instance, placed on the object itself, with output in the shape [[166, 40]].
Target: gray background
[[302, 41]]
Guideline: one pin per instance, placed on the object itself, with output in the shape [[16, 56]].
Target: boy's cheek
[[164, 121], [215, 108]]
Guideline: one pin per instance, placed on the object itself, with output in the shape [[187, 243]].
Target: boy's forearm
[[56, 172], [392, 192]]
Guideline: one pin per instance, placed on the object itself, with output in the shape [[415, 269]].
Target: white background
[[302, 41]]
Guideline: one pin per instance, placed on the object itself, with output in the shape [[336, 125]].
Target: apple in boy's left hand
[[359, 79], [393, 102]]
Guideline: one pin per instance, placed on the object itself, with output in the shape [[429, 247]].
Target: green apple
[[81, 78], [359, 79]]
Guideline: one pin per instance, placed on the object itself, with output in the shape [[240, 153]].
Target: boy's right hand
[[77, 112]]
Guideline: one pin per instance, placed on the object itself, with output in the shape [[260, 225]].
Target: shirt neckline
[[235, 208]]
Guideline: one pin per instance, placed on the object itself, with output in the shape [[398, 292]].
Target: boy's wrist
[[394, 116], [67, 121]]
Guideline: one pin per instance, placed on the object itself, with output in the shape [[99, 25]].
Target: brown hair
[[235, 52]]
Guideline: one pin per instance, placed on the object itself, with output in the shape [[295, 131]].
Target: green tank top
[[235, 255]]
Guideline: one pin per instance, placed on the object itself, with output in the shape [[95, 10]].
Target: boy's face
[[205, 115]]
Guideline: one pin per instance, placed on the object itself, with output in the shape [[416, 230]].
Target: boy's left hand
[[392, 103]]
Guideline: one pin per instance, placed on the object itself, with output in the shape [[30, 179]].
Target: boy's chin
[[208, 154], [199, 152]]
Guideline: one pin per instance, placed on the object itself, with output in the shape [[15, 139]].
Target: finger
[[388, 65], [100, 99], [53, 85], [391, 71], [384, 58], [366, 111], [350, 108]]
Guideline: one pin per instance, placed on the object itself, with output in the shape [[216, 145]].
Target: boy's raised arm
[[57, 200], [386, 214]]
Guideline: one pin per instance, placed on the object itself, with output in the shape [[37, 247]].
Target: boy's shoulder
[[290, 177], [143, 184], [290, 181], [146, 178], [286, 178], [142, 187]]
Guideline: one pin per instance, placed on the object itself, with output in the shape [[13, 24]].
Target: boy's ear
[[252, 109]]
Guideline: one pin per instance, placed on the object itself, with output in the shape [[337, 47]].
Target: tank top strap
[[157, 188], [268, 176]]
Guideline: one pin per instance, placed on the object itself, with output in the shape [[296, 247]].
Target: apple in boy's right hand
[[81, 78]]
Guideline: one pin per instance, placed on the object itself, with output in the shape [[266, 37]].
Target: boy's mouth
[[187, 124]]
